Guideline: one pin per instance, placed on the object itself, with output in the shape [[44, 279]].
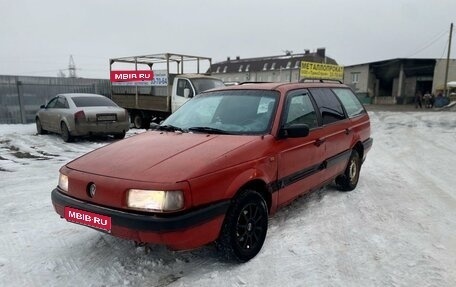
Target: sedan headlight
[[155, 200], [63, 182]]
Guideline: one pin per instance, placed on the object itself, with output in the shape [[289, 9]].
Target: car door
[[55, 113], [180, 97], [300, 159], [338, 134], [46, 115]]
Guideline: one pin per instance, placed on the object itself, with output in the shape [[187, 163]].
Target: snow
[[397, 228]]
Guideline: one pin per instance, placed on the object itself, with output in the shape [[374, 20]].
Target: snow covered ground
[[398, 228]]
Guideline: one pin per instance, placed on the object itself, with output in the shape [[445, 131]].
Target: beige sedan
[[73, 115]]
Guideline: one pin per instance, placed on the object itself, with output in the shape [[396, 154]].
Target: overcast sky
[[38, 36]]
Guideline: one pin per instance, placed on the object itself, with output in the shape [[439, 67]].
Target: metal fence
[[22, 96]]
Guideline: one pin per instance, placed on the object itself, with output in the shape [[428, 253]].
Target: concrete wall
[[21, 96], [363, 85], [439, 73]]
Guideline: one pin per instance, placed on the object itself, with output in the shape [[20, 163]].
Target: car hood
[[166, 156]]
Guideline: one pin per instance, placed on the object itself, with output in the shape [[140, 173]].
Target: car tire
[[39, 127], [119, 136], [349, 179], [245, 227], [65, 133]]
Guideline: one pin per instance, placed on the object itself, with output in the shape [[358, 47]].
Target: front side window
[[243, 112], [300, 110], [351, 103], [52, 103], [183, 84], [330, 107]]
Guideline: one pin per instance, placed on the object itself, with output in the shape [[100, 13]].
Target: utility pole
[[447, 61]]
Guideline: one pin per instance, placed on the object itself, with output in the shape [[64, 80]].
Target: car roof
[[71, 95], [283, 87]]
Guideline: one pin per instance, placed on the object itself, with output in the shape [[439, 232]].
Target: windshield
[[204, 84], [226, 112], [93, 102]]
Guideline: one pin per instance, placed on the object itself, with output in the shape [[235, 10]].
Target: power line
[[432, 42]]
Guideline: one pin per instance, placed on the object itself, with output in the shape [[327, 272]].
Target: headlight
[[155, 200], [63, 182]]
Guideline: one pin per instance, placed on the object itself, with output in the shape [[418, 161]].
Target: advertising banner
[[139, 78], [311, 70]]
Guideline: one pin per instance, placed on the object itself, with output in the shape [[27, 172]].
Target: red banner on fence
[[132, 76]]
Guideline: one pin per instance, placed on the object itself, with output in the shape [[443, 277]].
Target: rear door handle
[[348, 131], [319, 142]]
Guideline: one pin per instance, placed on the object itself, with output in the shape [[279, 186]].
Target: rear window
[[93, 102]]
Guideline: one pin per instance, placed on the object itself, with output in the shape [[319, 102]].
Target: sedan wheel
[[39, 127], [119, 136], [245, 227], [66, 136]]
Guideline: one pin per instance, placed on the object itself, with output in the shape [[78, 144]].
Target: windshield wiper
[[170, 128], [208, 130]]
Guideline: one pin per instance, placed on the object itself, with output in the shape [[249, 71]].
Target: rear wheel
[[119, 136], [349, 179], [138, 121], [66, 136], [39, 127], [245, 227]]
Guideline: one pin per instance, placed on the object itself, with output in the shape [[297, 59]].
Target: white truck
[[170, 88]]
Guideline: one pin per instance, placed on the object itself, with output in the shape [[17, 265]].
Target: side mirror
[[294, 131], [186, 92], [42, 107]]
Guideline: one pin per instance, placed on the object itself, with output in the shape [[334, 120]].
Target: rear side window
[[350, 102], [93, 102], [330, 107]]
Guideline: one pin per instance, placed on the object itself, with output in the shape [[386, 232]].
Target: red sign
[[132, 76], [88, 218]]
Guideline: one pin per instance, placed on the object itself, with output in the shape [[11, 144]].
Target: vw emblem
[[92, 189]]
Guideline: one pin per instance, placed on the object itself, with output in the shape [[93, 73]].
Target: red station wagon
[[218, 167]]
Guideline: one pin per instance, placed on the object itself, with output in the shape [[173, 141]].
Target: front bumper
[[183, 231]]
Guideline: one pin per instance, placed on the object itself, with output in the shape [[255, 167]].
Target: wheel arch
[[260, 186], [359, 148]]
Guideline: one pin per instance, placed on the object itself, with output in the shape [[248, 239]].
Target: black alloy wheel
[[349, 179], [245, 227]]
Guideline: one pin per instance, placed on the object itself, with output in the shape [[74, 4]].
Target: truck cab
[[187, 86], [169, 89]]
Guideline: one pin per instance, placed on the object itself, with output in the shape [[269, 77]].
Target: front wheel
[[245, 227], [39, 127], [349, 179]]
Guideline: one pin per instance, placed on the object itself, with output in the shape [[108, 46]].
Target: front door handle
[[319, 142]]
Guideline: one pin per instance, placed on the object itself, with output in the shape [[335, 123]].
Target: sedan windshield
[[226, 112], [93, 102]]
